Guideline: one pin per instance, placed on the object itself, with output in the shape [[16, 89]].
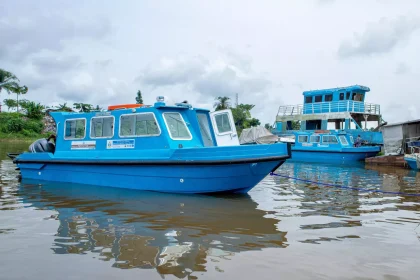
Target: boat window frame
[[308, 99], [348, 94], [307, 138], [102, 137], [74, 119], [230, 123], [344, 137], [351, 139], [315, 135], [132, 136], [329, 97], [341, 96], [205, 114], [317, 98], [169, 131], [330, 142]]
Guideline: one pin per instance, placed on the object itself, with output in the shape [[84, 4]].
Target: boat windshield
[[343, 140], [205, 129], [329, 139], [176, 126]]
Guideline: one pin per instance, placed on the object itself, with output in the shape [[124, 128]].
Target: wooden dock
[[387, 161]]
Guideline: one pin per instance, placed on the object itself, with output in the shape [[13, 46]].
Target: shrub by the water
[[19, 126], [14, 125]]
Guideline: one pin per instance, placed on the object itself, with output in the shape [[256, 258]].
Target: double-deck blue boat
[[164, 148], [325, 126]]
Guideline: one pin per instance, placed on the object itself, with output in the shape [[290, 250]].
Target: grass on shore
[[21, 137]]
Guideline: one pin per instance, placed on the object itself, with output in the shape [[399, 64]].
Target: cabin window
[[351, 139], [142, 124], [176, 126], [341, 95], [75, 129], [329, 139], [303, 138], [357, 96], [343, 140], [203, 123], [328, 97], [318, 98], [315, 138], [308, 99], [348, 95], [223, 123], [102, 127]]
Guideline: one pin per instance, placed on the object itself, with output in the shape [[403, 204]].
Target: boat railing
[[330, 107]]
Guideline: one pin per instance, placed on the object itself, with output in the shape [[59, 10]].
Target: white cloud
[[380, 37]]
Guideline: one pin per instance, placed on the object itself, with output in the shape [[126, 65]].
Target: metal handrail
[[330, 107]]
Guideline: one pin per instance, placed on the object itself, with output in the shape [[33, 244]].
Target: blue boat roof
[[358, 88]]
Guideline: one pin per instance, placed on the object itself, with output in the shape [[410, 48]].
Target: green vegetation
[[25, 119], [295, 125], [19, 126], [222, 103], [241, 113], [139, 98]]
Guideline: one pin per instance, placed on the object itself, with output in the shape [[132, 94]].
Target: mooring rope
[[344, 187]]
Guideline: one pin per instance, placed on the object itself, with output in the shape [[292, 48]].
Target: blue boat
[[166, 148], [329, 147], [340, 108], [413, 159], [339, 114]]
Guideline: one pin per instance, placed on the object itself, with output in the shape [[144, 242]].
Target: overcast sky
[[102, 52]]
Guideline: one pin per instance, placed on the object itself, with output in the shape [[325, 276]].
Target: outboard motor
[[42, 146]]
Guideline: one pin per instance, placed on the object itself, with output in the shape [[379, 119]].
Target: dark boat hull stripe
[[154, 162]]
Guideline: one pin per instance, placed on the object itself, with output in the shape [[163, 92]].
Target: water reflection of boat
[[168, 232], [324, 200], [319, 200]]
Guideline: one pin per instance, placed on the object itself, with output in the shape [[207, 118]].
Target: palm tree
[[8, 81], [63, 107], [222, 103], [18, 90], [83, 107]]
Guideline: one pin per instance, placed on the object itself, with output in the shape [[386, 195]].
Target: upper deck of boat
[[336, 103]]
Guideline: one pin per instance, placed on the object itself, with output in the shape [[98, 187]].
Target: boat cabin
[[335, 100], [324, 139], [136, 126]]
